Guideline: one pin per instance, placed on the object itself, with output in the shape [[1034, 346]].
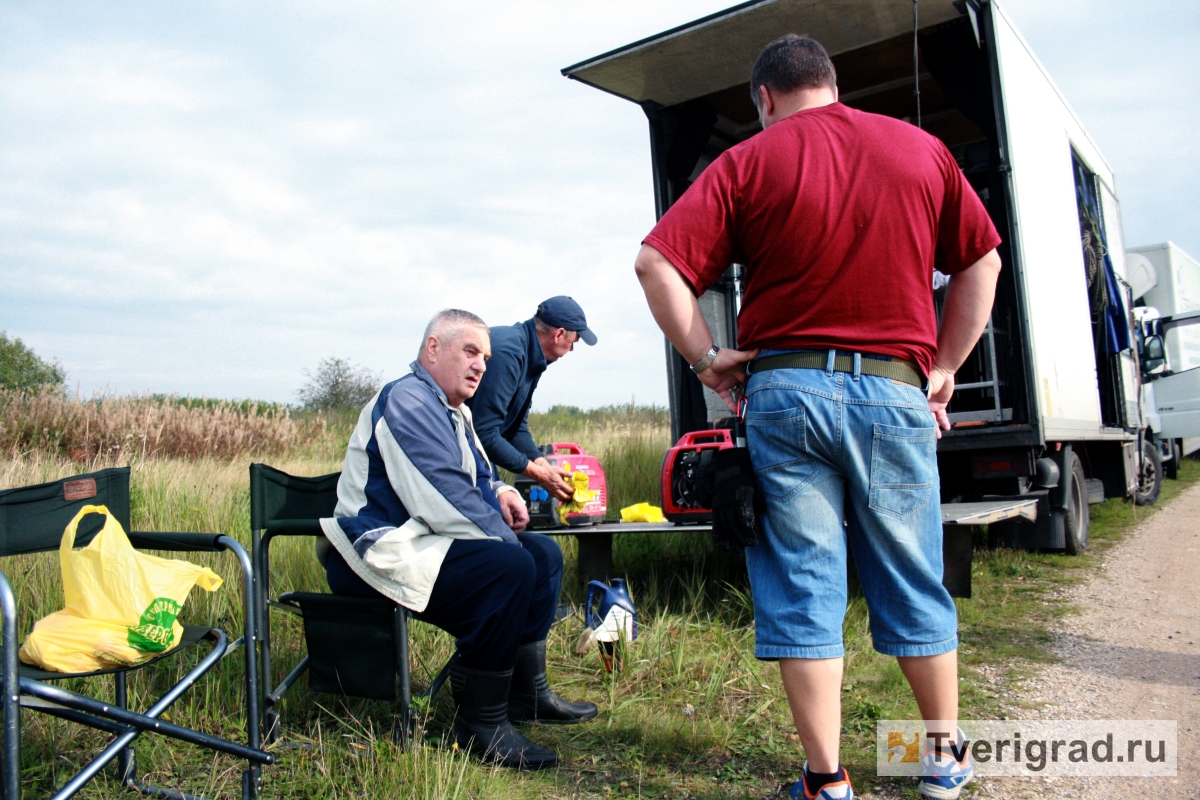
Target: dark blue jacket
[[500, 407]]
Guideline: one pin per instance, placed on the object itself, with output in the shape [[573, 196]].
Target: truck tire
[[1171, 468], [1150, 475], [1076, 519]]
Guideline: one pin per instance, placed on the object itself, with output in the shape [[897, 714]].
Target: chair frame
[[263, 532], [115, 718]]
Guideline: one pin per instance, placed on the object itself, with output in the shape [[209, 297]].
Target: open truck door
[[692, 82], [1047, 404]]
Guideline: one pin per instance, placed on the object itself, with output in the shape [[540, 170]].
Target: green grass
[[690, 714]]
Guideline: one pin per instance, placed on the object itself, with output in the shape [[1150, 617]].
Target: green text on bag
[[155, 630]]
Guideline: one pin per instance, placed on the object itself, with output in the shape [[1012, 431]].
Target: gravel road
[[1133, 652]]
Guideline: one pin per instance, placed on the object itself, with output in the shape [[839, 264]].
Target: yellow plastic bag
[[581, 498], [642, 512], [121, 605]]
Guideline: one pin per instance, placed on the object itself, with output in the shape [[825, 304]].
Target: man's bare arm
[[677, 312], [964, 316]]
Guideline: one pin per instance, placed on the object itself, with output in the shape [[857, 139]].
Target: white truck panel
[[1177, 291], [1041, 132], [1178, 404]]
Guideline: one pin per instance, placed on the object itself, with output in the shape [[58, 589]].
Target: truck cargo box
[[1041, 371]]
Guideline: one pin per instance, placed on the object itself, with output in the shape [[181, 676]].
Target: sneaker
[[838, 790], [945, 778]]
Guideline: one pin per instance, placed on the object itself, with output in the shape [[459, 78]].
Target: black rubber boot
[[532, 700], [481, 722]]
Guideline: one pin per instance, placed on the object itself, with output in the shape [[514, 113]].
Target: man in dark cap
[[520, 354]]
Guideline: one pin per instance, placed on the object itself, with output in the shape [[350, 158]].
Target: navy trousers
[[491, 596]]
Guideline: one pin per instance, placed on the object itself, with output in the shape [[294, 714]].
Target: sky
[[210, 198]]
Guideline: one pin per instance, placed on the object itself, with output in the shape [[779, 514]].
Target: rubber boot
[[481, 722], [531, 698]]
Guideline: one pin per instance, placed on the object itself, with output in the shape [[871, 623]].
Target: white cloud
[[210, 198]]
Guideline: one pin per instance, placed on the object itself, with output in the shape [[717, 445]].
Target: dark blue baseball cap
[[563, 312]]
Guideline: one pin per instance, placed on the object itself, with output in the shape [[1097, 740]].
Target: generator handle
[[571, 449], [705, 437]]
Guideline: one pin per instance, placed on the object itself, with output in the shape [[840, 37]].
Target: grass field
[[690, 715]]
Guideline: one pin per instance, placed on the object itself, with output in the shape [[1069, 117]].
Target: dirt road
[[1132, 653]]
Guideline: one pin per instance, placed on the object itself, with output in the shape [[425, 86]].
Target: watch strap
[[706, 360]]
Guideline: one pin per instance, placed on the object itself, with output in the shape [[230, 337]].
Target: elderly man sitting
[[420, 520]]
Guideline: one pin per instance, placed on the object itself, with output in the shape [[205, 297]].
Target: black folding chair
[[32, 519], [357, 647]]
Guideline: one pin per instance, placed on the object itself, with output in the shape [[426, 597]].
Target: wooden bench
[[596, 541]]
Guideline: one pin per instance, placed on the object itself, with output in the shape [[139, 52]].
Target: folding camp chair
[[356, 646], [32, 519]]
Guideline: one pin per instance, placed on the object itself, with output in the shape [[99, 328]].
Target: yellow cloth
[[582, 497], [642, 512]]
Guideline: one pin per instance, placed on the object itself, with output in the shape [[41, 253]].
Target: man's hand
[[727, 370], [941, 389], [969, 297], [512, 508], [552, 479]]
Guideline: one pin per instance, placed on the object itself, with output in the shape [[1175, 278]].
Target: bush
[[21, 369], [338, 384]]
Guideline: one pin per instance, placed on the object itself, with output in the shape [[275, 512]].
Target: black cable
[[916, 63]]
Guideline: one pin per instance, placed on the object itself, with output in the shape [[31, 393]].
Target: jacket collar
[[422, 374], [537, 359]]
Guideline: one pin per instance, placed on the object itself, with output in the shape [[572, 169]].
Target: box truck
[[1049, 406], [1166, 289]]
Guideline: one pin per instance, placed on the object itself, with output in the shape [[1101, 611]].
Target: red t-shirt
[[837, 216]]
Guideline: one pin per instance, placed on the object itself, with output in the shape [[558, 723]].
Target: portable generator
[[687, 479], [543, 508]]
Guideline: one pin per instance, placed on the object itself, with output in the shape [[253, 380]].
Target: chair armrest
[[289, 598], [295, 527], [156, 540]]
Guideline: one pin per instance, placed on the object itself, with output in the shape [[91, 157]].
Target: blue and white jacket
[[408, 490]]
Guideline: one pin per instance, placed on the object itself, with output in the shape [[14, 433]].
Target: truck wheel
[[1077, 519], [1150, 475], [1171, 468]]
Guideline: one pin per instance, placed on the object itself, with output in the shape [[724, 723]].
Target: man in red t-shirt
[[838, 217]]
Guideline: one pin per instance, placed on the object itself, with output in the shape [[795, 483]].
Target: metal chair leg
[[10, 766], [249, 639], [270, 725], [440, 680], [127, 760], [400, 634]]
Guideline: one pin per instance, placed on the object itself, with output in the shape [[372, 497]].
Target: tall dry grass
[[115, 428]]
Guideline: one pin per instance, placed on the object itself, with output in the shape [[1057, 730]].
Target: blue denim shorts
[[845, 461]]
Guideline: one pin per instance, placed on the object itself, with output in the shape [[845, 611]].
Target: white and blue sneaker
[[944, 778], [838, 790]]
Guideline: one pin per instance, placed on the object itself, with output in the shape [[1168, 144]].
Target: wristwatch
[[706, 360]]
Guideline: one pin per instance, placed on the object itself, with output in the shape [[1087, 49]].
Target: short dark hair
[[792, 62], [447, 325]]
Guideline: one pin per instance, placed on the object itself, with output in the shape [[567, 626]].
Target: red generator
[[687, 480], [543, 509]]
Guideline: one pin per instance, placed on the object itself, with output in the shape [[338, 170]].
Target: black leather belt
[[882, 366]]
